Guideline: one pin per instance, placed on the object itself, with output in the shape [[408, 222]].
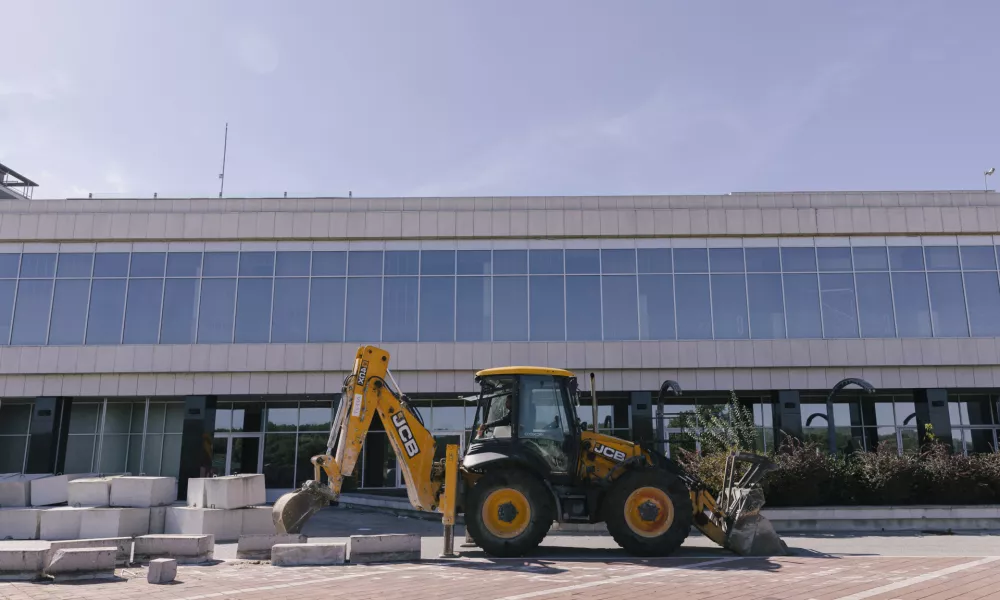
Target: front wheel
[[509, 513], [649, 512]]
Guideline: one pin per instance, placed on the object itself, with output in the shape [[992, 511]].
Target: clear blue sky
[[492, 98]]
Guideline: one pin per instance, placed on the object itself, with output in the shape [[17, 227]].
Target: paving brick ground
[[729, 578]]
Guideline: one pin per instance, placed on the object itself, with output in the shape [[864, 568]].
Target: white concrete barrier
[[187, 549], [114, 522], [157, 519], [60, 523], [81, 563], [89, 491], [300, 555], [22, 561], [122, 545], [143, 492], [256, 521], [234, 491], [385, 548], [15, 489], [19, 523], [225, 525], [258, 547], [161, 570]]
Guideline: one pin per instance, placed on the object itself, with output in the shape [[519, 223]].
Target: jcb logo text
[[615, 455], [409, 444]]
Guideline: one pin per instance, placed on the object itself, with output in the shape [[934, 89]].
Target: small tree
[[726, 430]]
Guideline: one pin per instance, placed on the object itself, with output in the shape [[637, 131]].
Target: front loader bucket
[[747, 532], [293, 509]]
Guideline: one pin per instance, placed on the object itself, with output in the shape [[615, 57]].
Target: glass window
[[583, 261], [437, 309], [326, 309], [218, 302], [798, 259], [909, 299], [7, 289], [9, 265], [111, 264], [510, 262], [366, 262], [142, 310], [767, 313], [583, 308], [545, 261], [399, 309], [690, 260], [619, 294], [282, 417], [978, 257], [437, 262], [694, 307], [75, 265], [906, 258], [291, 308], [180, 309], [729, 307], [762, 260], [292, 264], [316, 416], [144, 264], [402, 262], [542, 419], [948, 305], [546, 309], [474, 262], [69, 312], [942, 258], [802, 305], [184, 264], [875, 305], [840, 308], [38, 265], [618, 261], [329, 263], [473, 320], [871, 259], [726, 260], [656, 307], [256, 264], [834, 259], [655, 260], [107, 310], [983, 296], [510, 307], [279, 460], [364, 308], [253, 310], [220, 264]]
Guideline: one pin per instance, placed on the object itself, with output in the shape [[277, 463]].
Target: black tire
[[526, 488], [653, 542]]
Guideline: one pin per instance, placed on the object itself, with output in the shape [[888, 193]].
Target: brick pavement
[[729, 578]]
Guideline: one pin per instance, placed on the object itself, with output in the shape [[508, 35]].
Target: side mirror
[[583, 426]]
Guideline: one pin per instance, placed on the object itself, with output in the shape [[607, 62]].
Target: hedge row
[[809, 476]]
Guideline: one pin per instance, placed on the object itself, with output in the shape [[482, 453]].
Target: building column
[[47, 439], [642, 416], [196, 440], [787, 416], [932, 408]]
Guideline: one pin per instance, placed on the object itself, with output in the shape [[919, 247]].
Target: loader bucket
[[747, 532], [293, 509]]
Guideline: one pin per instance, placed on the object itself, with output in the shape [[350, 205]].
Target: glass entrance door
[[235, 453]]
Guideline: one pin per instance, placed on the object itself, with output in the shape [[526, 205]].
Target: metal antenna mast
[[222, 175]]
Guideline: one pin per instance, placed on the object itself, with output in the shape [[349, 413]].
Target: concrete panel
[[222, 525], [46, 491], [236, 491], [20, 523], [21, 562], [143, 492], [114, 522], [157, 519], [122, 546], [298, 555], [60, 523], [384, 548], [258, 547], [89, 492], [15, 490], [186, 549], [256, 521]]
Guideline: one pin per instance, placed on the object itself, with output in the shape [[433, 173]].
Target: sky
[[498, 98]]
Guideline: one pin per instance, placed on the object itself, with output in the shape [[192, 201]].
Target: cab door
[[544, 424]]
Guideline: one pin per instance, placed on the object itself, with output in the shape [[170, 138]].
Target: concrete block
[[81, 563], [258, 547], [234, 491], [46, 491], [21, 562], [300, 555], [19, 523], [89, 492], [223, 525], [143, 492], [60, 523], [157, 519], [122, 545], [385, 548], [15, 490], [161, 570], [187, 549], [114, 522], [256, 521]]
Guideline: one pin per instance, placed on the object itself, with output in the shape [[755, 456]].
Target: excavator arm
[[370, 390]]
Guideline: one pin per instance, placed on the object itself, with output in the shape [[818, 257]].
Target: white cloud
[[255, 50]]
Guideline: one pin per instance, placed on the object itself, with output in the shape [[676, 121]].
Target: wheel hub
[[649, 511], [507, 512]]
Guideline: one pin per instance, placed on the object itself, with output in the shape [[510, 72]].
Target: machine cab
[[526, 414]]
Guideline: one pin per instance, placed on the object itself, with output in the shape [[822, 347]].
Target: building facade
[[195, 336]]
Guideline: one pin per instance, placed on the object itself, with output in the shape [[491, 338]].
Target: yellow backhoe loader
[[531, 463]]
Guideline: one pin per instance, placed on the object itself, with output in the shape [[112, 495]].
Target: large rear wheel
[[649, 512], [509, 513]]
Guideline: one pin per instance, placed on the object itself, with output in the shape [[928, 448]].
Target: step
[[301, 555], [187, 549], [81, 563], [404, 547]]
